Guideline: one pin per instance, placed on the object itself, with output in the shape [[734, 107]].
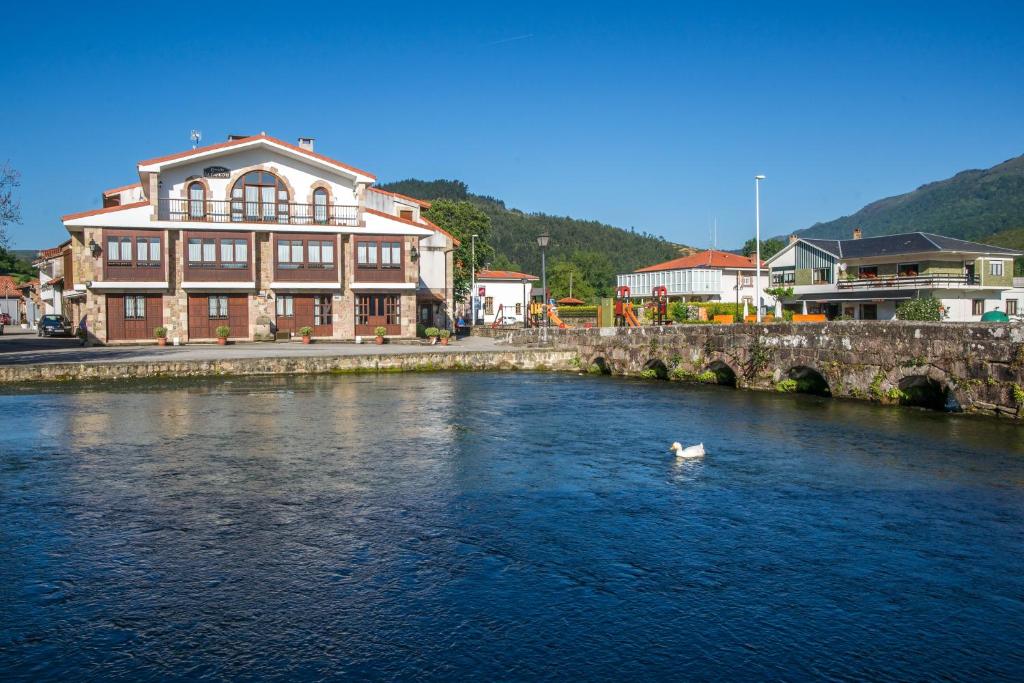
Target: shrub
[[160, 332], [421, 330], [431, 332], [925, 308], [786, 385], [306, 331], [380, 331], [708, 377], [649, 373], [444, 334], [223, 332], [677, 311], [594, 369], [577, 311]]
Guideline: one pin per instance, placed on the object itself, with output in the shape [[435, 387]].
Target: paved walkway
[[18, 347]]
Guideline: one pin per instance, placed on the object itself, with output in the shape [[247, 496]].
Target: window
[[321, 254], [519, 309], [821, 275], [285, 306], [867, 272], [119, 250], [234, 253], [748, 281], [488, 305], [289, 253], [261, 197], [322, 309], [978, 307], [908, 270], [405, 213], [390, 254], [320, 206], [995, 268], [202, 252], [218, 307], [134, 307], [1011, 307], [147, 250], [366, 254], [391, 309], [776, 277], [789, 277], [362, 310], [196, 201]]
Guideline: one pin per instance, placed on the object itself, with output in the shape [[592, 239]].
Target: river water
[[502, 527]]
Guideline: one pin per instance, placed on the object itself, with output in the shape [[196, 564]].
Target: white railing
[[691, 281]]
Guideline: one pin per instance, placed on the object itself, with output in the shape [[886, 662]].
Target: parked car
[[54, 326], [5, 319]]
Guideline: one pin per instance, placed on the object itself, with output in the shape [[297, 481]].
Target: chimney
[[307, 143], [793, 238], [857, 233], [236, 136]]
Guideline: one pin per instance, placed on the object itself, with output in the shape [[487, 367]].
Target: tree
[[769, 248], [563, 273], [597, 270], [924, 308], [10, 208], [463, 220], [501, 262]]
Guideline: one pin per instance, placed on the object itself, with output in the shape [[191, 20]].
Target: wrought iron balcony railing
[[909, 281], [237, 211]]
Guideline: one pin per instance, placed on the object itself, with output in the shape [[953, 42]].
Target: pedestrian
[[83, 329]]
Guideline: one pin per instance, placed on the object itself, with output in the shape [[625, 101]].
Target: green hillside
[[971, 205], [515, 232]]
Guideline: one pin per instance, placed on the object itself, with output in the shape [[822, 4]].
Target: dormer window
[[196, 201], [320, 206], [259, 197], [405, 213]]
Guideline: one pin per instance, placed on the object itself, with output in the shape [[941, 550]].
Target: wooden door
[[373, 310], [133, 316], [202, 326]]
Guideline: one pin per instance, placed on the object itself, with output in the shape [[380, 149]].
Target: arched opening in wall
[[724, 375], [599, 366], [654, 369], [805, 380], [925, 392]]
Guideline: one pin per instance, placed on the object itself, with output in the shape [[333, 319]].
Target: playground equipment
[[659, 305], [556, 320], [624, 314]]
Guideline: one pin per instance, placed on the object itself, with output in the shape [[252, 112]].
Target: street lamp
[[757, 242], [472, 292], [542, 242], [526, 304]]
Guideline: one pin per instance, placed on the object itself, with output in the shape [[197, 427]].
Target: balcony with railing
[[238, 211], [926, 281]]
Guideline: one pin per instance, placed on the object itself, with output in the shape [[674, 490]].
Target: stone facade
[[978, 366]]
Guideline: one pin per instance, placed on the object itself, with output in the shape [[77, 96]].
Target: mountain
[[515, 232], [971, 205]]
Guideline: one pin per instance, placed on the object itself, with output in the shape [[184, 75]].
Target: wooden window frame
[[992, 267], [825, 280], [239, 208], [977, 307], [325, 207], [192, 216], [120, 240], [135, 299], [223, 312], [1012, 304], [279, 300], [320, 317]]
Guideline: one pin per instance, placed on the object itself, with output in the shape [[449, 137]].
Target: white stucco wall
[[507, 293]]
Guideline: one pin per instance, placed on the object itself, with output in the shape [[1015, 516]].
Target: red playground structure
[[658, 307], [624, 314]]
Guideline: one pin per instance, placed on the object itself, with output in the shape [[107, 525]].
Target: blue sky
[[648, 115]]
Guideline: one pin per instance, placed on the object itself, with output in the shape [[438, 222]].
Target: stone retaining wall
[[307, 365]]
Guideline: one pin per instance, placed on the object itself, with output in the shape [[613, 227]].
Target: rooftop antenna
[[196, 136]]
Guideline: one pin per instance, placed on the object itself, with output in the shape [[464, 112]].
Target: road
[[21, 347]]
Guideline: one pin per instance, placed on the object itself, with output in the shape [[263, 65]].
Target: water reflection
[[487, 525]]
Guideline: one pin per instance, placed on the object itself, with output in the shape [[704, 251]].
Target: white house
[[504, 293], [705, 276], [50, 264]]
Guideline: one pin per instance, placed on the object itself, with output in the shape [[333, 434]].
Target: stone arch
[[320, 185], [269, 168], [803, 379], [927, 391], [599, 366], [658, 367], [725, 374]]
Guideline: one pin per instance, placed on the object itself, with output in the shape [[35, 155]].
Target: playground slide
[[555, 319], [630, 316]]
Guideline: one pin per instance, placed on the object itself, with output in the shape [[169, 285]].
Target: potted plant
[[160, 333], [306, 333], [432, 335], [223, 332], [379, 331], [445, 335]]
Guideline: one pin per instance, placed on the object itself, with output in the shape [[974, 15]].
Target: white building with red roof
[[710, 275], [250, 234], [503, 294]]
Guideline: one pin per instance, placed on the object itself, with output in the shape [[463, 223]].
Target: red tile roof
[[705, 259], [504, 275], [53, 252], [242, 141], [425, 204], [8, 288], [115, 190], [109, 209]]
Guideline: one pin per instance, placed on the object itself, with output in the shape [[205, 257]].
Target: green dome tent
[[995, 317]]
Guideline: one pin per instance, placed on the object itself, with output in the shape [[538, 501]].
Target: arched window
[[320, 206], [259, 197], [196, 201]]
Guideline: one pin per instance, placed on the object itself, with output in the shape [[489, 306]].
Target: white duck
[[696, 451]]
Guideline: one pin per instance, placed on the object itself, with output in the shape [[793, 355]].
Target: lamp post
[[757, 242], [542, 242], [472, 291], [526, 304]]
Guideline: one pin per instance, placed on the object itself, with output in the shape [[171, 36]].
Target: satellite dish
[[842, 267]]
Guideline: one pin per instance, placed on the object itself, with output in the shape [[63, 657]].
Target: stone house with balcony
[[710, 275], [866, 278], [249, 232]]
